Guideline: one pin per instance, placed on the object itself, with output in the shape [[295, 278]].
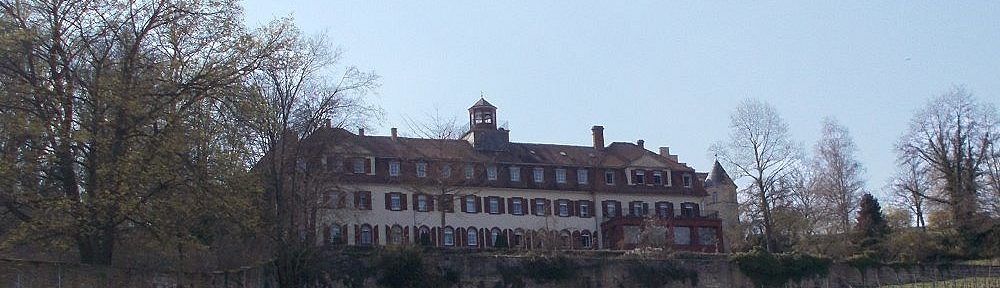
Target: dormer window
[[640, 177], [421, 169], [515, 174], [687, 180], [657, 178], [609, 177], [394, 168]]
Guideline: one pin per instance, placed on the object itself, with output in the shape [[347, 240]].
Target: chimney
[[361, 131], [665, 151], [393, 133], [641, 143], [598, 137]]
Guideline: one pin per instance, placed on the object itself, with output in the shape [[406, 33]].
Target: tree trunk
[[97, 248]]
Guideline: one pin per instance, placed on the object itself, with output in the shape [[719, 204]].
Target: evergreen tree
[[872, 227]]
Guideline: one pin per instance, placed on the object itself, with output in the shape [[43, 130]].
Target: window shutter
[[531, 206], [402, 200], [341, 200], [632, 177], [463, 204], [416, 200], [375, 235], [502, 206], [357, 234], [406, 235], [357, 199], [510, 203], [548, 207], [368, 200], [479, 204], [387, 200], [604, 208], [618, 208], [326, 234], [368, 165], [430, 203], [645, 208]]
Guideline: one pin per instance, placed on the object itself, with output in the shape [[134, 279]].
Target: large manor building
[[484, 191]]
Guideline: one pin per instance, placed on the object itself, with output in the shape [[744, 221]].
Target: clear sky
[[668, 72]]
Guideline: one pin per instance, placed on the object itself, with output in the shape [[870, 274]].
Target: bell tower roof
[[481, 104]]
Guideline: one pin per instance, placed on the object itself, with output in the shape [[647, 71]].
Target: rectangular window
[[470, 204], [563, 208], [394, 168], [395, 204], [491, 173], [707, 235], [421, 169], [363, 200], [581, 176], [422, 203], [494, 205], [539, 207], [539, 174], [358, 166], [561, 176], [584, 209], [682, 235], [516, 207], [657, 178], [609, 177], [469, 172], [635, 208], [640, 177], [687, 180], [446, 171], [515, 174], [585, 240], [611, 209]]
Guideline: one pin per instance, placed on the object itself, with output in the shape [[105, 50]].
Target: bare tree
[[298, 90], [910, 187], [953, 135], [435, 126], [839, 175], [759, 148], [991, 182]]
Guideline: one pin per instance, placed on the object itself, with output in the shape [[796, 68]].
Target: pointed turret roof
[[718, 176], [482, 103]]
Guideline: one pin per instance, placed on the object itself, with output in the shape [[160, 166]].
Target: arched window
[[518, 239], [567, 241], [424, 236], [396, 235], [473, 239], [449, 236], [585, 241], [366, 235], [495, 236], [336, 234]]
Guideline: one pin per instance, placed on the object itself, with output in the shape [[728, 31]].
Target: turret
[[483, 133]]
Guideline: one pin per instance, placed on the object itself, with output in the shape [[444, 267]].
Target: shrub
[[543, 269], [774, 270], [404, 267]]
